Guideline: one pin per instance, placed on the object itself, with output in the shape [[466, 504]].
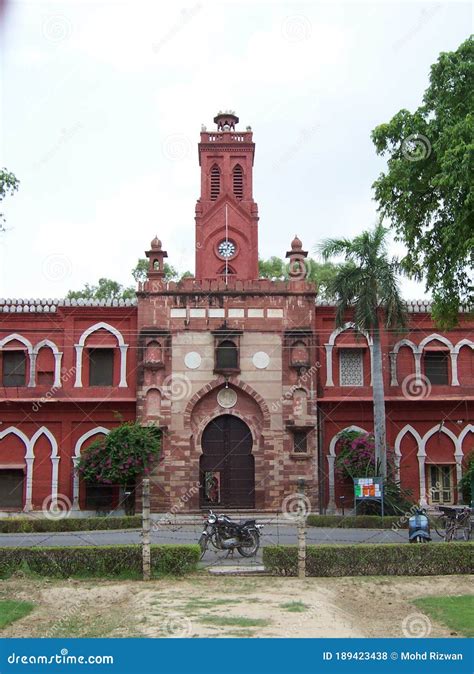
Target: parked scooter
[[419, 527], [225, 534]]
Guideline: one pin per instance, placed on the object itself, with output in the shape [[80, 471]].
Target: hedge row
[[22, 525], [112, 560], [431, 559], [358, 521]]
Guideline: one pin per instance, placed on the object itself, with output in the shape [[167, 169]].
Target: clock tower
[[226, 214]]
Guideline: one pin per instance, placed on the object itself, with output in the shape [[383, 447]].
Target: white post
[[57, 369], [78, 382], [421, 468], [29, 483], [123, 366], [75, 484], [301, 532], [329, 380], [54, 480], [331, 507], [32, 381], [454, 369]]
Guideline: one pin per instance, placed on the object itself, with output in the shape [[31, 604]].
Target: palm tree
[[366, 286]]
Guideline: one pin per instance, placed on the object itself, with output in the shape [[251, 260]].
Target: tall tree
[[366, 289], [8, 185], [427, 190]]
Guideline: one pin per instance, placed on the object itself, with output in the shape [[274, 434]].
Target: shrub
[[22, 525], [372, 560], [357, 521], [112, 560]]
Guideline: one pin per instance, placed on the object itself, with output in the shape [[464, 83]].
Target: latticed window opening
[[215, 182], [238, 182], [351, 371]]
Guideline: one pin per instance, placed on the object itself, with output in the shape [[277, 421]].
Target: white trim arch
[[408, 428], [54, 460], [330, 346], [100, 430], [331, 459], [121, 344], [454, 356], [422, 457], [394, 357], [29, 347], [29, 460], [57, 360]]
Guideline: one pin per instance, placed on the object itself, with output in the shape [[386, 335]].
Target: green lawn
[[11, 610], [457, 612]]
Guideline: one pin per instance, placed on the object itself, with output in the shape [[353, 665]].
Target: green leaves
[[8, 185], [127, 452], [426, 192]]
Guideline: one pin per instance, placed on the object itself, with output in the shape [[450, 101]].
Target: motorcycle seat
[[247, 522]]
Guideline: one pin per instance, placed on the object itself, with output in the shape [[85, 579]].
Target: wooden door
[[227, 465]]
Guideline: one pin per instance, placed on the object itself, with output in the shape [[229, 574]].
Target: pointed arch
[[238, 181], [215, 182], [335, 438], [461, 343], [121, 344], [330, 346], [394, 359], [54, 459], [57, 360], [77, 455], [408, 428], [29, 460], [464, 433], [435, 337], [15, 337], [431, 432]]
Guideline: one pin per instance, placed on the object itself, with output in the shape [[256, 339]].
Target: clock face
[[226, 249]]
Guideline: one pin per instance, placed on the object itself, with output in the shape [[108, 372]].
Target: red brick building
[[248, 378]]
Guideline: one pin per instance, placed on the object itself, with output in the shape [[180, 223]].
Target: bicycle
[[452, 520]]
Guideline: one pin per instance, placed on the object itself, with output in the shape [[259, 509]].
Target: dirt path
[[203, 606]]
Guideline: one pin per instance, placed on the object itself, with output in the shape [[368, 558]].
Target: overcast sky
[[102, 105]]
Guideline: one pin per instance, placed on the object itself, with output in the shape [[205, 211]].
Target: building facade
[[248, 378]]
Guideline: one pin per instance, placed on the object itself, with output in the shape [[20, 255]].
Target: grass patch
[[240, 633], [457, 613], [11, 610], [234, 621], [295, 606]]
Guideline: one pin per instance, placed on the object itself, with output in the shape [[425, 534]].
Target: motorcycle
[[225, 534], [419, 527]]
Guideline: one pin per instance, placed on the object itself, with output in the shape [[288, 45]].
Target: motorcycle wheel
[[250, 549], [203, 545]]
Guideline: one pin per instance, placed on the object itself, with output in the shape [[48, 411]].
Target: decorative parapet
[[232, 286], [21, 305], [413, 306]]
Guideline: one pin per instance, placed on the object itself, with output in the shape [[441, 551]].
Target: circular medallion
[[227, 397], [261, 360], [192, 360]]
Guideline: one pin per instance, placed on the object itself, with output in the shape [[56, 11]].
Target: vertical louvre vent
[[238, 178], [215, 182]]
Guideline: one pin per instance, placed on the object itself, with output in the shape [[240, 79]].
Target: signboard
[[368, 489]]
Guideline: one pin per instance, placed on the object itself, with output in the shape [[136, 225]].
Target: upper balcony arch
[[48, 343], [330, 346], [121, 344], [418, 353], [16, 337]]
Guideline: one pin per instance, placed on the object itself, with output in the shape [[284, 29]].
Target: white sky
[[102, 104]]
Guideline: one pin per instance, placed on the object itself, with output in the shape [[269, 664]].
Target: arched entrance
[[227, 467]]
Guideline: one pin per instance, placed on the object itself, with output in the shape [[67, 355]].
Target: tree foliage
[[320, 273], [8, 185], [127, 452], [106, 289], [427, 190]]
